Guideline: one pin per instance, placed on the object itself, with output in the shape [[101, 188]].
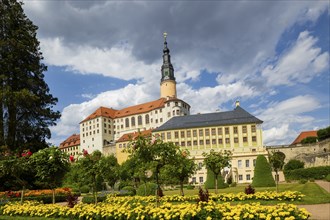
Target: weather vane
[[165, 35]]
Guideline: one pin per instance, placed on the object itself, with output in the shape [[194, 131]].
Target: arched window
[[147, 119], [126, 122], [133, 121], [139, 120]]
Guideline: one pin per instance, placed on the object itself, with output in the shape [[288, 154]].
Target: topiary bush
[[129, 190], [327, 178], [210, 181], [84, 189], [90, 199], [263, 173], [148, 189]]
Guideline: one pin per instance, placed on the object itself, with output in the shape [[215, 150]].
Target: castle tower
[[167, 82]]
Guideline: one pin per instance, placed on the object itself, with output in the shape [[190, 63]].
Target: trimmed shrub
[[302, 181], [263, 173], [327, 178], [309, 140], [90, 199], [190, 186], [148, 189], [129, 190], [84, 189], [46, 199], [210, 181], [294, 164], [316, 173], [233, 184]]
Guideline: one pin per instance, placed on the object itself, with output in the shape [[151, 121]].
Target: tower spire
[[167, 82]]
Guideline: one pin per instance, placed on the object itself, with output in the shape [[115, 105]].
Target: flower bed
[[31, 193], [223, 197], [137, 210]]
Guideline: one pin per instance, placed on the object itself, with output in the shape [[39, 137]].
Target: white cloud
[[116, 62], [280, 117], [299, 64]]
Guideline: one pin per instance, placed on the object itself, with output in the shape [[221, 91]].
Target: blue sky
[[273, 56]]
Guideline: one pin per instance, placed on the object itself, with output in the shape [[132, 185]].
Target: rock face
[[313, 155]]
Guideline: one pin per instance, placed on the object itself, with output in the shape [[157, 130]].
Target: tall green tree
[[216, 162], [109, 169], [276, 161], [25, 101], [51, 165]]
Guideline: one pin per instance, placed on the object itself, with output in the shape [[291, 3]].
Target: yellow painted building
[[237, 131], [71, 145]]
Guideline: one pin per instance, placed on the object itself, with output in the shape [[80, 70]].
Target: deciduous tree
[[216, 162], [276, 161]]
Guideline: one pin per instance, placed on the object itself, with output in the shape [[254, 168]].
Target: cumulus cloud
[[299, 64], [279, 117]]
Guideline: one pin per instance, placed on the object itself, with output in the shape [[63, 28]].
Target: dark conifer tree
[[25, 101]]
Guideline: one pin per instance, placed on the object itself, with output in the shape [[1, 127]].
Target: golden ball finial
[[165, 35]]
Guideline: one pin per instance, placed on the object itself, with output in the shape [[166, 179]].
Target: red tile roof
[[102, 111], [133, 135], [304, 135], [71, 141], [132, 110]]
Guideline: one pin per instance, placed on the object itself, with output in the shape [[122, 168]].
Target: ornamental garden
[[151, 184]]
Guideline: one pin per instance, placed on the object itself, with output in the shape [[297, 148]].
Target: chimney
[[237, 103]]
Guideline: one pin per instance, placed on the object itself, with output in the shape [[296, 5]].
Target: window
[[207, 141], [247, 163], [235, 140], [126, 122], [183, 144], [214, 141], [105, 130], [220, 141], [235, 130], [201, 180], [240, 177], [244, 129], [227, 140], [160, 110], [188, 143], [139, 120], [254, 162], [176, 134], [105, 125], [155, 120], [244, 139], [189, 134], [182, 134], [226, 130], [193, 180], [195, 143], [254, 138], [120, 145], [201, 142], [200, 165], [168, 114], [200, 132], [168, 104], [213, 131], [177, 112], [161, 120], [133, 121], [147, 119], [239, 163], [168, 135], [194, 133], [219, 131], [248, 177], [253, 128], [176, 103]]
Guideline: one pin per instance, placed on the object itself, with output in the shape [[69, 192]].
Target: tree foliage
[[262, 173], [294, 164], [276, 161], [323, 134], [180, 169], [25, 102], [216, 162], [309, 140], [51, 165]]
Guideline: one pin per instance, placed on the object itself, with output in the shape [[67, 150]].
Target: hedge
[[46, 199], [262, 173], [210, 181], [316, 173], [90, 199], [148, 189]]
